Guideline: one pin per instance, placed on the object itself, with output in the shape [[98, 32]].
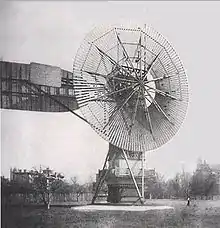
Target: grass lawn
[[200, 214]]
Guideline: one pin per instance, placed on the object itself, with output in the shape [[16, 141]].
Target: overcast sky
[[51, 32]]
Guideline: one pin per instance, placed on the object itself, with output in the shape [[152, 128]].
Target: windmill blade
[[150, 66], [114, 65], [119, 108], [102, 53], [134, 114], [165, 94], [126, 54]]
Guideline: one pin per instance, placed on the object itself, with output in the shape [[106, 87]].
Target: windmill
[[131, 88], [129, 84]]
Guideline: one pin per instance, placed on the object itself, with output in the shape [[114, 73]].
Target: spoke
[[150, 66], [107, 76], [102, 59], [148, 99], [83, 83], [149, 118], [155, 79], [115, 111], [134, 115], [102, 100], [124, 80], [161, 78], [158, 107], [112, 93], [107, 56], [140, 59], [119, 78], [136, 50], [145, 51], [102, 35], [162, 93], [83, 103], [120, 90], [136, 105], [112, 61], [96, 74], [126, 54]]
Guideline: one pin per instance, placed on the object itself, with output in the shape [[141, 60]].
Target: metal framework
[[120, 176], [129, 84], [132, 89], [20, 93]]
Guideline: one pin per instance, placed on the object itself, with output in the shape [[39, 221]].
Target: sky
[[51, 32]]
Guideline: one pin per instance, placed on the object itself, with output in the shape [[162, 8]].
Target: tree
[[178, 187], [19, 190], [184, 182], [77, 188], [210, 185], [174, 187], [45, 182], [203, 182], [156, 186]]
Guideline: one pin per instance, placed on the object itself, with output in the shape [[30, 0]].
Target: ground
[[200, 214]]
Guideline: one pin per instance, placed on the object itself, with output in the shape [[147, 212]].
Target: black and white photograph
[[110, 114]]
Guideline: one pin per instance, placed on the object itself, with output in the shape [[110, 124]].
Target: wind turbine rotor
[[131, 87]]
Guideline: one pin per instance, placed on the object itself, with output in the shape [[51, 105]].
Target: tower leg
[[103, 176], [132, 177], [142, 186], [100, 180]]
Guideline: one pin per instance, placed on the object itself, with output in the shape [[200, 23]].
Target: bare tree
[[45, 182], [203, 182], [77, 188]]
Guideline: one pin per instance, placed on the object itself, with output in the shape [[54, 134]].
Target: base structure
[[122, 174]]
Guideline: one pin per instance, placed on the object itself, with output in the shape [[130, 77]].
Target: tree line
[[42, 187], [47, 186], [203, 183]]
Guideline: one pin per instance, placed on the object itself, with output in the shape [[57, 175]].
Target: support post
[[132, 176], [142, 182], [48, 194], [99, 182], [102, 178]]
